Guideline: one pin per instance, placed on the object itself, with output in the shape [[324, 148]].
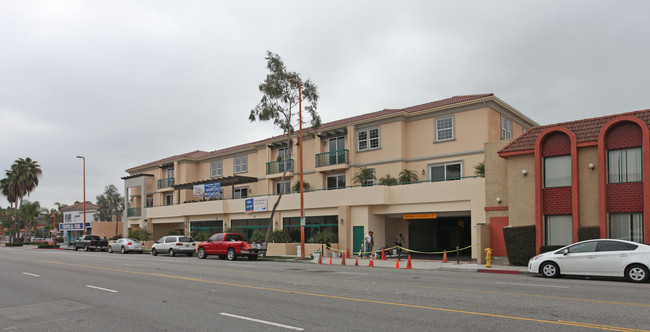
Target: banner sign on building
[[71, 226], [207, 190], [256, 204]]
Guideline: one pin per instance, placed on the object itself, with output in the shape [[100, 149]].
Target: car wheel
[[74, 247], [154, 252], [231, 254], [86, 248], [549, 270], [252, 257], [123, 250], [110, 250], [637, 273], [201, 254], [222, 256], [171, 252]]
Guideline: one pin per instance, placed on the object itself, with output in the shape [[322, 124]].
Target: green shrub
[[14, 244], [140, 234], [47, 246], [325, 237], [520, 244], [258, 236], [588, 233], [201, 236], [173, 232], [280, 237]]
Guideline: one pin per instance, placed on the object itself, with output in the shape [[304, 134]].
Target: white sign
[[256, 204]]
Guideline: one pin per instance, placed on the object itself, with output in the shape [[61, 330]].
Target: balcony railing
[[278, 166], [165, 183], [332, 158], [134, 212]]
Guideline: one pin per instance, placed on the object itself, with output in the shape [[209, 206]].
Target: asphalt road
[[58, 290]]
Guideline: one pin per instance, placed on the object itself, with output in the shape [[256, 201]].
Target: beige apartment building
[[236, 187]]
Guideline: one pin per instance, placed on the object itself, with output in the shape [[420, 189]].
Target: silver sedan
[[126, 245]]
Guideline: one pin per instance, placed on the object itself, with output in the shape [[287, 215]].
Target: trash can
[[299, 252], [316, 255]]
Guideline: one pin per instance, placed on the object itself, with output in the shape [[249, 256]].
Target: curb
[[498, 271]]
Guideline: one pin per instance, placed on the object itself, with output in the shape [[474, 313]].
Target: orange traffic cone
[[408, 264], [383, 254], [444, 256], [347, 253], [397, 264], [356, 262], [371, 264], [320, 259], [343, 260], [330, 260]]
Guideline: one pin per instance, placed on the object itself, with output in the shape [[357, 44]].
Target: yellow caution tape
[[405, 249]]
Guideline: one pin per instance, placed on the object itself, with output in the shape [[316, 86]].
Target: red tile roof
[[586, 131], [80, 207], [440, 103]]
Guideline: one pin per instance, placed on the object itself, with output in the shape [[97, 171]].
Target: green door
[[357, 238]]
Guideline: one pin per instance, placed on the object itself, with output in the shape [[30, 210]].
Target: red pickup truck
[[228, 245]]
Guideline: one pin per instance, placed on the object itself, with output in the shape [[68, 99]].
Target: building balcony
[[134, 212], [333, 160], [277, 167], [165, 183]]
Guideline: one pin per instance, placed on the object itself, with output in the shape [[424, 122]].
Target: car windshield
[[185, 239]]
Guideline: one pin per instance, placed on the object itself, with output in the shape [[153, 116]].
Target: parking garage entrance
[[437, 234]]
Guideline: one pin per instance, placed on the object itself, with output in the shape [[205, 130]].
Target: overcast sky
[[124, 83]]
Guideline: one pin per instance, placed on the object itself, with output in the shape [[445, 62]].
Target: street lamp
[[302, 190], [84, 226]]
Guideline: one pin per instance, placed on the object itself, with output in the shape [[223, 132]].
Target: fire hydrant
[[488, 257]]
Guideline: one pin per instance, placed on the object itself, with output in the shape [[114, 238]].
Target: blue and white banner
[[207, 190], [71, 226], [256, 204]]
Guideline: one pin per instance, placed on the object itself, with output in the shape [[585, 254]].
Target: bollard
[[383, 254], [457, 256], [488, 257], [444, 256], [347, 253]]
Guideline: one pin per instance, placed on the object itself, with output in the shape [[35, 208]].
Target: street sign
[[302, 221]]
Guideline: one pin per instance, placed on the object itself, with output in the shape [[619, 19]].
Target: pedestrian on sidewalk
[[399, 242], [370, 241]]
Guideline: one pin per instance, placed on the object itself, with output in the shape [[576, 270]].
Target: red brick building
[[560, 177]]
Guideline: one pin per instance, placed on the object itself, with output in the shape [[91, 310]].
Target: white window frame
[[555, 165], [558, 230], [506, 128], [368, 141], [285, 184], [337, 184], [236, 192], [444, 129], [625, 165], [444, 166], [216, 168], [240, 164]]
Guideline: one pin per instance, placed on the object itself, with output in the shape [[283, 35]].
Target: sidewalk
[[421, 264]]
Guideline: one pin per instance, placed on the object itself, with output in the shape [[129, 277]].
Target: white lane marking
[[104, 289], [532, 285], [262, 321], [31, 274]]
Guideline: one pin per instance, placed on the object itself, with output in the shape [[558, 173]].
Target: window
[[67, 217], [336, 181], [169, 199], [506, 128], [583, 247], [209, 226], [284, 153], [284, 187], [241, 192], [559, 230], [371, 181], [557, 171], [625, 165], [241, 164], [626, 226], [445, 172], [444, 129], [615, 246], [368, 139], [247, 227], [216, 168], [313, 225], [149, 202], [170, 172]]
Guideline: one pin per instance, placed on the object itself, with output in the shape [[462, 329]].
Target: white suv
[[173, 244]]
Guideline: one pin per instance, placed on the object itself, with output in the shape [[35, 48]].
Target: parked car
[[174, 244], [602, 257], [126, 245], [229, 245], [89, 242]]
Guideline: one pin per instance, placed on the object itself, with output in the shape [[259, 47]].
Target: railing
[[333, 158], [278, 166], [134, 212], [165, 183]]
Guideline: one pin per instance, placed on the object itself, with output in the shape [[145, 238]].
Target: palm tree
[[296, 186], [29, 212], [10, 191], [364, 176], [479, 170], [408, 176], [388, 180], [21, 179]]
